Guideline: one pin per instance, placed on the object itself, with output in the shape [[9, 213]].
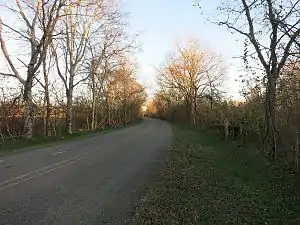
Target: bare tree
[[272, 27], [194, 73], [47, 67], [112, 42], [124, 94], [70, 48], [80, 19], [39, 19]]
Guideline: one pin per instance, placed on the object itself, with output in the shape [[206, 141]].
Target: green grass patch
[[11, 146], [210, 181]]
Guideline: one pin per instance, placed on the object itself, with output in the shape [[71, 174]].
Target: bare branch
[[23, 14], [7, 57], [16, 31]]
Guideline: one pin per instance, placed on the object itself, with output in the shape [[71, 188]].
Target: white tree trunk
[[29, 108], [29, 114]]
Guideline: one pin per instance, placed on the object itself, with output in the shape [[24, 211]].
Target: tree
[[272, 27], [193, 74], [78, 24], [38, 19], [125, 95], [111, 41], [71, 49], [47, 66]]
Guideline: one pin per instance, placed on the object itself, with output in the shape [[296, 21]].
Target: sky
[[162, 23]]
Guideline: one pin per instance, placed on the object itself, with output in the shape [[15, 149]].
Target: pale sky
[[161, 23]]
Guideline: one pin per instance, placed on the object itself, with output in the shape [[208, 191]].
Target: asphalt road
[[98, 180]]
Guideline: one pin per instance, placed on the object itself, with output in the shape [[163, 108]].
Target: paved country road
[[98, 180]]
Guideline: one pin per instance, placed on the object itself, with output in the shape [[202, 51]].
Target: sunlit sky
[[162, 23]]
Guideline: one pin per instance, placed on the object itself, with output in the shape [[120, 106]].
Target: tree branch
[[7, 74], [287, 49], [14, 30], [252, 35], [23, 14], [7, 57]]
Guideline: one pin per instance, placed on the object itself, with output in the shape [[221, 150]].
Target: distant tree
[[194, 74], [125, 95], [110, 41]]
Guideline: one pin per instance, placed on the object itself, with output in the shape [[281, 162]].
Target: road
[[98, 180]]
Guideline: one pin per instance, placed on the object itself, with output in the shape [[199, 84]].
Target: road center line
[[37, 173], [47, 169], [58, 153]]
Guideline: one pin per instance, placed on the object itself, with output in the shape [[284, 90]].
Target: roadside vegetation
[[249, 172], [211, 181], [191, 80], [76, 73]]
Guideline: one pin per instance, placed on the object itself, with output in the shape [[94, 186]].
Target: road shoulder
[[210, 181]]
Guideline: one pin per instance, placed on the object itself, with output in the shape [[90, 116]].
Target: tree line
[[191, 78], [68, 65]]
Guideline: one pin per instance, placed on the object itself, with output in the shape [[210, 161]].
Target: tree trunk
[[69, 93], [94, 122], [47, 110], [48, 114], [29, 111], [94, 116], [195, 113], [124, 119], [69, 114], [297, 152], [108, 113], [192, 112], [190, 109], [270, 119], [226, 129]]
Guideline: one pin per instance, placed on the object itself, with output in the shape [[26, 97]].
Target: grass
[[210, 181], [11, 146]]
